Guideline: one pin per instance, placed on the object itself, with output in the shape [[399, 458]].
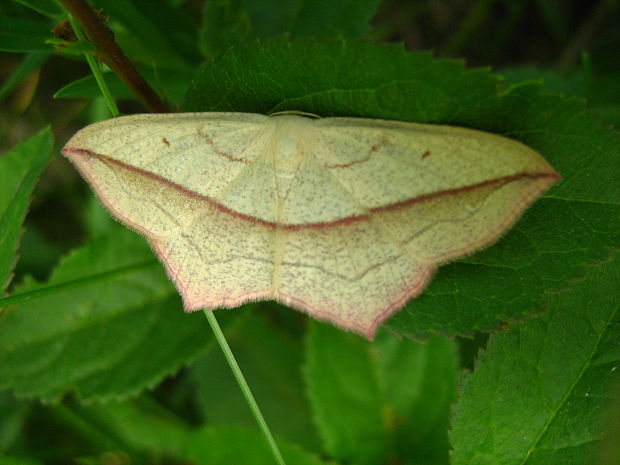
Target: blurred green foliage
[[107, 369]]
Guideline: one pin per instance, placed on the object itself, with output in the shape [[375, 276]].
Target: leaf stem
[[230, 358], [103, 40], [96, 71], [55, 288]]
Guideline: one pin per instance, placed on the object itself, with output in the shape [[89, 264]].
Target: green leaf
[[229, 23], [169, 83], [71, 48], [24, 35], [19, 171], [541, 391], [216, 445], [271, 362], [327, 78], [374, 400], [120, 330], [576, 224]]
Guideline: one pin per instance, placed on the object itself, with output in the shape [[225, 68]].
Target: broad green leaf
[[216, 445], [228, 23], [577, 223], [171, 84], [327, 78], [271, 362], [30, 62], [24, 35], [377, 400], [541, 391], [19, 171], [120, 330]]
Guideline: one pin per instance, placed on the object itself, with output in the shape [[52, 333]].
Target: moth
[[345, 219]]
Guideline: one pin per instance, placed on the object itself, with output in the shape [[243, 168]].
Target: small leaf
[[71, 48], [19, 171], [171, 83]]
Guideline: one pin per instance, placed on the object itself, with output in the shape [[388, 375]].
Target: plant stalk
[[245, 389], [103, 40], [94, 68]]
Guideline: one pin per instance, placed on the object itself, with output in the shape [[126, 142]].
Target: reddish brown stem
[[103, 40]]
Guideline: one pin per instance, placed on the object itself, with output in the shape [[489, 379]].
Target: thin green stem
[[94, 67], [230, 358], [48, 290]]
